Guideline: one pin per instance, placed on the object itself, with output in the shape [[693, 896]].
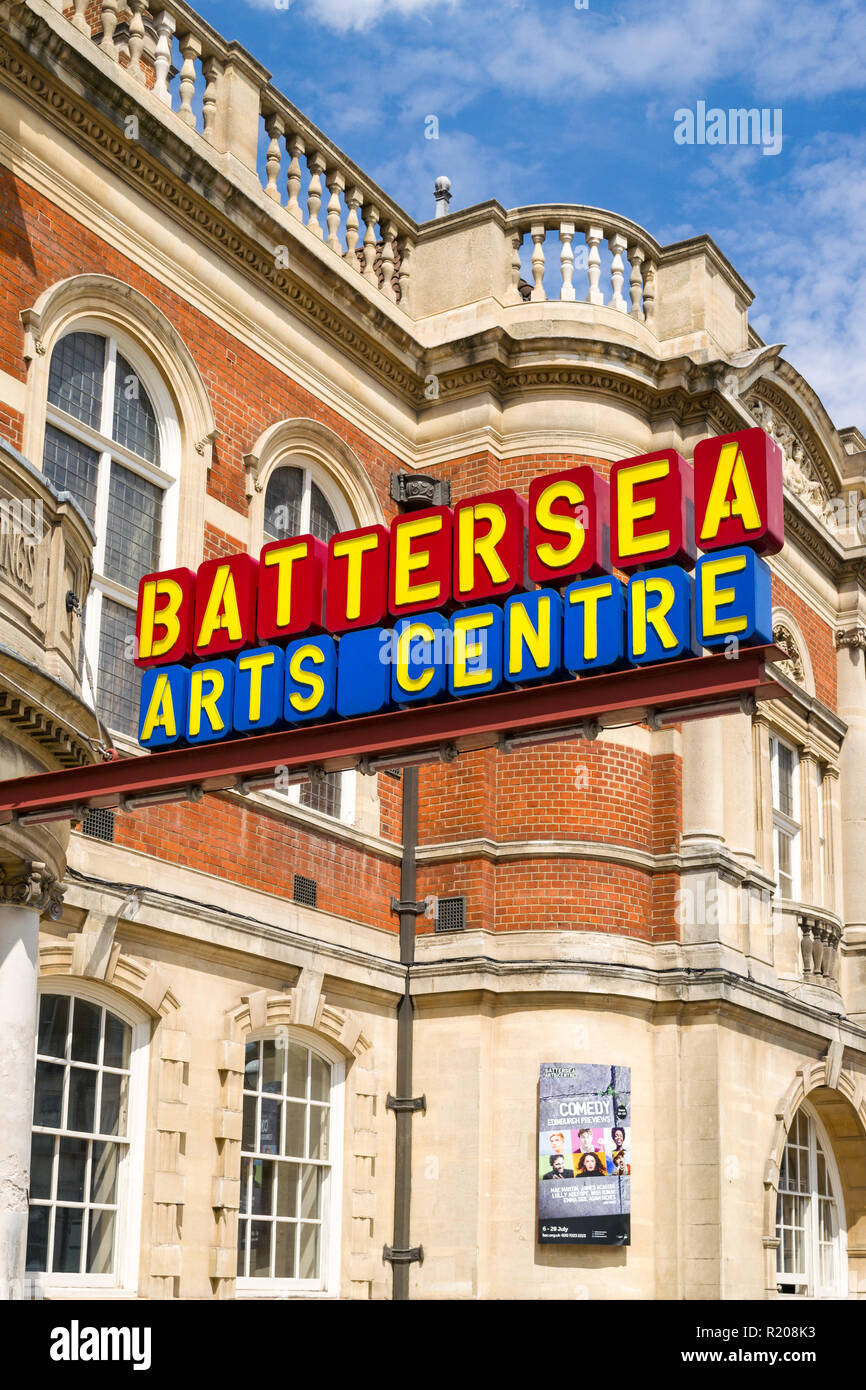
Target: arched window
[[810, 1225], [84, 1181], [290, 1143], [109, 435], [295, 505]]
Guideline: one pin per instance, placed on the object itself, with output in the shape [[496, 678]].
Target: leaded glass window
[[102, 444]]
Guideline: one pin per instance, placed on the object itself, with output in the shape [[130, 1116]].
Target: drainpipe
[[402, 1254], [410, 491]]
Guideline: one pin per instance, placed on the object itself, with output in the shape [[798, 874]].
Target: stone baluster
[[538, 231], [79, 19], [316, 166], [354, 200], [617, 244], [806, 945], [635, 283], [515, 241], [213, 71], [162, 57], [371, 217], [818, 938], [831, 954], [190, 48], [295, 146], [594, 236], [336, 184], [276, 129], [649, 294], [389, 236], [404, 275], [109, 24], [136, 39], [566, 260]]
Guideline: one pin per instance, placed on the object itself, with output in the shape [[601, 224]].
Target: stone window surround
[[820, 1078], [92, 958], [301, 1011], [105, 305]]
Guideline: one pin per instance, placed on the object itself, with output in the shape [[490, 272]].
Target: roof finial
[[442, 194]]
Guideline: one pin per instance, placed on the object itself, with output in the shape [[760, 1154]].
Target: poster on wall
[[584, 1154]]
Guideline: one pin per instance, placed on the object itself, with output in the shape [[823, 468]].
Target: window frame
[[312, 473], [328, 1285], [130, 1183], [165, 476], [790, 826], [816, 1136]]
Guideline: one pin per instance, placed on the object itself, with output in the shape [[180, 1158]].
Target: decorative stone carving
[[851, 637], [799, 472], [416, 490], [31, 885], [793, 668]]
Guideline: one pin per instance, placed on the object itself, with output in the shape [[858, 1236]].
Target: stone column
[[25, 891], [703, 781], [850, 663]]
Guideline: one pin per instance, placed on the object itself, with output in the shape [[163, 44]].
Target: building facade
[[215, 330]]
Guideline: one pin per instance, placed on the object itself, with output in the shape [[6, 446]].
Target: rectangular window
[[785, 769]]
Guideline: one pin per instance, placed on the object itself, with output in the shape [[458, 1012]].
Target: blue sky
[[539, 101]]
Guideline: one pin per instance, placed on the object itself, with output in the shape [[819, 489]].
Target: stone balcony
[[570, 269]]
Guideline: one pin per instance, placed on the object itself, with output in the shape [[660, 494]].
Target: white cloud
[[344, 15], [800, 243]]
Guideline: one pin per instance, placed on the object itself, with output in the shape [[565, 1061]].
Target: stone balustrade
[[588, 242], [329, 195], [819, 949], [482, 256]]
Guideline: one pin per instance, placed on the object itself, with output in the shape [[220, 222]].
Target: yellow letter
[[628, 511], [655, 617], [198, 701], [353, 548], [405, 562], [567, 525], [590, 598], [712, 599], [465, 651], [147, 646], [521, 629], [222, 609], [730, 469], [160, 711], [312, 679], [470, 544], [285, 558], [255, 663], [410, 632]]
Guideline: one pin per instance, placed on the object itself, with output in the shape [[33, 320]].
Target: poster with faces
[[584, 1154]]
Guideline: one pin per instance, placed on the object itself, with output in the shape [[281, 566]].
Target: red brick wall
[[819, 639]]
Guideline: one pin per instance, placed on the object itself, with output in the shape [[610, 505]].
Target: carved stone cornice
[[32, 885], [851, 637]]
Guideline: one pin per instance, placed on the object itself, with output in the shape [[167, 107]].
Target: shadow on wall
[[14, 236]]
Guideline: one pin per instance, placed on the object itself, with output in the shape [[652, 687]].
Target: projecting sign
[[584, 1154], [498, 592]]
